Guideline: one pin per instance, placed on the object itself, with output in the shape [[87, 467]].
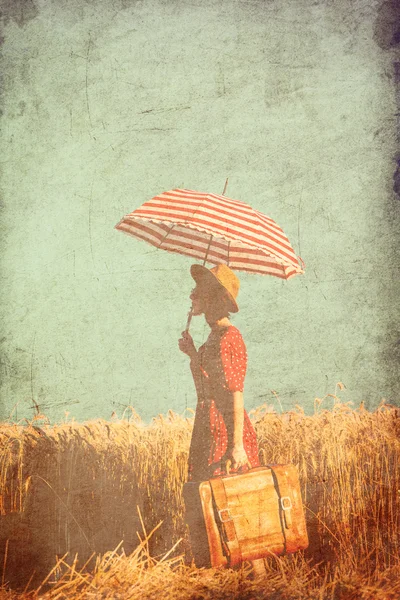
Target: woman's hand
[[239, 457], [186, 344]]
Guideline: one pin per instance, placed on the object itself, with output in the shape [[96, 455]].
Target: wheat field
[[95, 509]]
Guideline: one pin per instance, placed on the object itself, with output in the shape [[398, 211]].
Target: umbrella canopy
[[216, 229]]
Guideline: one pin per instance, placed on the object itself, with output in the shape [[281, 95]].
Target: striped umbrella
[[216, 229]]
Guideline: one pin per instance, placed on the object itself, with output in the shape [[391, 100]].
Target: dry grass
[[76, 490]]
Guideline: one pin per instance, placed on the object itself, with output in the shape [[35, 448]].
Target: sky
[[107, 104]]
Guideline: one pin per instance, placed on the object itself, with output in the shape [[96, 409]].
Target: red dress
[[223, 361]]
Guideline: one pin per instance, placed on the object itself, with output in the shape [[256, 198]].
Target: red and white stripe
[[215, 228]]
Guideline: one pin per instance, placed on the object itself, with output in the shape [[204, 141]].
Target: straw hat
[[221, 275]]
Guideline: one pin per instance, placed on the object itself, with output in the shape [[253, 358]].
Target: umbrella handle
[[189, 318]]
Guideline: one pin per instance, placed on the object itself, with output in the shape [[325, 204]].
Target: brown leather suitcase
[[245, 516]]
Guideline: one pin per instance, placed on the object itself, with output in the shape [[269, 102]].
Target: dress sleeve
[[234, 360]]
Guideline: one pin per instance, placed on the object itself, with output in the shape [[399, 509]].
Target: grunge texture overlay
[[107, 103]]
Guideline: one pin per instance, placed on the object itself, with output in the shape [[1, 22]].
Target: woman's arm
[[238, 453], [234, 360]]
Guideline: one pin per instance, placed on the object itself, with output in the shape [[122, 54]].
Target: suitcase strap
[[227, 524], [284, 497]]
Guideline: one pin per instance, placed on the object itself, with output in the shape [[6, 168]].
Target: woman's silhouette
[[222, 429]]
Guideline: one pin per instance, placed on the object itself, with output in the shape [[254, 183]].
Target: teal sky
[[107, 104]]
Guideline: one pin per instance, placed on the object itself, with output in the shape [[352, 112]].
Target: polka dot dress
[[223, 360]]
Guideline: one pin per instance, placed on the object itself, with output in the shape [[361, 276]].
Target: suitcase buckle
[[227, 518], [286, 503]]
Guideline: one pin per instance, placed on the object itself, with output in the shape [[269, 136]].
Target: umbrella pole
[[209, 244], [189, 319], [190, 313]]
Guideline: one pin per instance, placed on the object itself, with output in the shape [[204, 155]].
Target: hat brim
[[201, 273]]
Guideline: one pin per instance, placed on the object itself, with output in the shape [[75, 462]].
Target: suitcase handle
[[228, 465]]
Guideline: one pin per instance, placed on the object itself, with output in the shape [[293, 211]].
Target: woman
[[222, 429]]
